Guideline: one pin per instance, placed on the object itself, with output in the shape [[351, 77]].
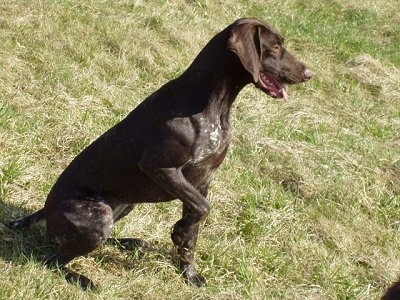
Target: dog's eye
[[276, 48]]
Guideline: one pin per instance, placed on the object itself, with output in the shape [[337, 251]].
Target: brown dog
[[166, 148], [393, 292]]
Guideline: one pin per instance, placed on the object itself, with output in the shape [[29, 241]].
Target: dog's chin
[[272, 86]]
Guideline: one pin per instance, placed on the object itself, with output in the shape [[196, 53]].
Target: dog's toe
[[84, 282], [192, 276], [14, 224], [130, 243]]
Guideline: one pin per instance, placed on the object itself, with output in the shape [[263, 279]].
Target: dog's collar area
[[272, 86]]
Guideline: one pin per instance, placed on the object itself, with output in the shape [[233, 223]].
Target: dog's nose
[[307, 74]]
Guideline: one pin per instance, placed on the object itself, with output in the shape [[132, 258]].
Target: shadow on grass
[[21, 245]]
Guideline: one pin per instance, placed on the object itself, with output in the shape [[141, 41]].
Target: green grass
[[306, 205]]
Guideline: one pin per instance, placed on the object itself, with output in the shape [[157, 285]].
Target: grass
[[304, 207]]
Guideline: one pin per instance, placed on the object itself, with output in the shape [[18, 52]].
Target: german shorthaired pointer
[[167, 148]]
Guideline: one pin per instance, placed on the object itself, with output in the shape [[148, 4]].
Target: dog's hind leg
[[78, 227], [60, 260], [121, 210]]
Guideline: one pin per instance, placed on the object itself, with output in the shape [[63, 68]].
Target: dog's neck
[[225, 75]]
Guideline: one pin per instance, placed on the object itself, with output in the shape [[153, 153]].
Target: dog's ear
[[245, 42]]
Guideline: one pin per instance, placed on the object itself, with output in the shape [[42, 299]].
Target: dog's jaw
[[272, 86]]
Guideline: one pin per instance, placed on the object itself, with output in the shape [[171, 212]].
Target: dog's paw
[[15, 224], [84, 282], [130, 243], [73, 277], [192, 276], [5, 234]]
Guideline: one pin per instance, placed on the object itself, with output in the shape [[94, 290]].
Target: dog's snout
[[307, 74]]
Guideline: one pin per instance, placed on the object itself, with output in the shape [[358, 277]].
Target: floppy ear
[[245, 42]]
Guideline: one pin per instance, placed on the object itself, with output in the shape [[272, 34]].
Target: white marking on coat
[[215, 136], [209, 142]]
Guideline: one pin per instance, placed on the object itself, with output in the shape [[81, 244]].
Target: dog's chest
[[212, 141]]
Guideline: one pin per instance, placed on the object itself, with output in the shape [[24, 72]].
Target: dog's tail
[[28, 220]]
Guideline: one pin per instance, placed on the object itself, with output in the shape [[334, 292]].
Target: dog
[[167, 148], [392, 292]]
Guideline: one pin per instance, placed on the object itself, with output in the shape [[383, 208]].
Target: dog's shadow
[[23, 244]]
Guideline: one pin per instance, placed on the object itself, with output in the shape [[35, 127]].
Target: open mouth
[[272, 86]]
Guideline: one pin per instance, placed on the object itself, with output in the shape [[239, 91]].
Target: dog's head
[[261, 51]]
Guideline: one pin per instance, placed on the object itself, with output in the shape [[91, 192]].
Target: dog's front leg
[[195, 208], [174, 182], [186, 249]]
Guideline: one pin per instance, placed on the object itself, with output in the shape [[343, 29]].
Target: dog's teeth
[[284, 94]]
